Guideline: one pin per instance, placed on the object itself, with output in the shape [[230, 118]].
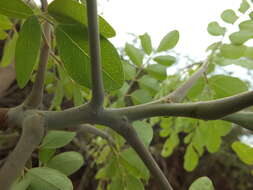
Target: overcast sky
[[158, 17]]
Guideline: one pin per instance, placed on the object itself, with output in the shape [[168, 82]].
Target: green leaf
[[213, 46], [146, 43], [238, 38], [249, 54], [169, 41], [215, 29], [246, 25], [166, 60], [196, 89], [57, 139], [27, 49], [72, 42], [66, 162], [131, 157], [251, 15], [135, 54], [77, 95], [133, 183], [202, 183], [170, 144], [224, 86], [70, 12], [129, 70], [21, 184], [213, 140], [58, 96], [5, 22], [157, 71], [46, 154], [116, 184], [49, 179], [191, 159], [3, 35], [244, 152], [150, 84], [244, 6], [229, 16], [231, 51], [141, 96], [109, 171], [15, 9], [144, 131]]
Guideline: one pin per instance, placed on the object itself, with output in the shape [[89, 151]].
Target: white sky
[[158, 17]]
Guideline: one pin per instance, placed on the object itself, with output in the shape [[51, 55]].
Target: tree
[[73, 40]]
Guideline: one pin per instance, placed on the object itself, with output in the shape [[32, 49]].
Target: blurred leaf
[[77, 95], [157, 71], [244, 6], [49, 179], [133, 183], [5, 22], [238, 38], [246, 25], [27, 49], [244, 152], [72, 41], [141, 96], [70, 12], [131, 157], [58, 96], [9, 50], [202, 183], [213, 140], [144, 131], [169, 41], [15, 9], [229, 16], [46, 154], [3, 35], [116, 184], [224, 86], [129, 71], [109, 171], [170, 144], [213, 46], [166, 60], [135, 54], [21, 184], [57, 139], [66, 162], [215, 29], [248, 53], [150, 84], [197, 88], [191, 159], [146, 43], [232, 51]]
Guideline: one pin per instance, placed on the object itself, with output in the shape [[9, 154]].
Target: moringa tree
[[73, 40]]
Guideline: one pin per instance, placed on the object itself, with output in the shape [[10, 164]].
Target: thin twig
[[95, 57], [34, 100]]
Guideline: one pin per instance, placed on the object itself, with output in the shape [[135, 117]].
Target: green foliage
[[191, 158], [66, 162], [27, 49], [146, 43], [215, 29], [229, 16], [56, 139], [166, 60], [47, 178], [169, 41], [15, 9], [224, 86], [71, 12], [72, 42], [135, 54], [244, 6], [202, 183], [231, 51], [244, 152]]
